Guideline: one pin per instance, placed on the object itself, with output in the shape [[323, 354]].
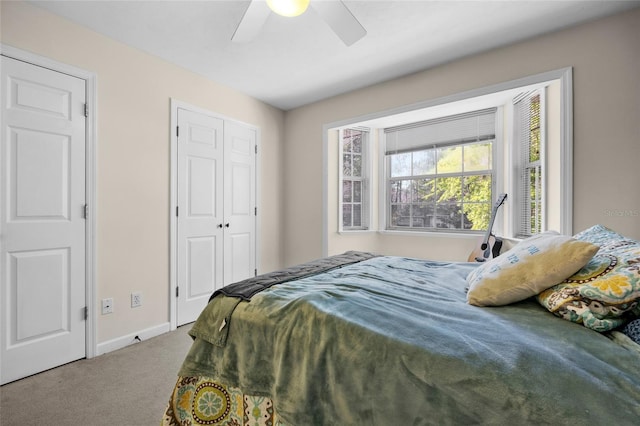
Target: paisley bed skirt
[[201, 401]]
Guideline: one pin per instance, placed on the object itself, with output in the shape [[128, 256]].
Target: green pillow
[[605, 293]]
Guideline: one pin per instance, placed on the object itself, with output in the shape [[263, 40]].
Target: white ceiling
[[296, 61]]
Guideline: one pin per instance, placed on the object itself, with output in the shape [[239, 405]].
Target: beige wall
[[605, 58], [133, 156]]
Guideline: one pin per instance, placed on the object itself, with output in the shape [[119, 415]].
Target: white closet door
[[200, 213], [239, 202], [42, 227]]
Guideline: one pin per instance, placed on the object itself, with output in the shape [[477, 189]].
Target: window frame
[[365, 179], [388, 179], [563, 210], [478, 133], [522, 223]]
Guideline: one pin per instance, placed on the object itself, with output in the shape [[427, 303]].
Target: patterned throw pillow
[[632, 330], [529, 267], [605, 293]]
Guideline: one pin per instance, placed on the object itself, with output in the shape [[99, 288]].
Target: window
[[440, 173], [529, 145], [354, 195], [412, 189]]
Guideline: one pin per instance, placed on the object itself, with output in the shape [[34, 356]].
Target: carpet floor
[[127, 387]]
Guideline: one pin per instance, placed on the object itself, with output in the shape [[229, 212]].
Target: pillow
[[606, 238], [530, 267], [606, 292], [632, 330]]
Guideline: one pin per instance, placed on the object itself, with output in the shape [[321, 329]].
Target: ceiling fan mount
[[334, 12]]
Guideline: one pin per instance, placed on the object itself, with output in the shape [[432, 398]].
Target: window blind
[[354, 177], [529, 145], [459, 128]]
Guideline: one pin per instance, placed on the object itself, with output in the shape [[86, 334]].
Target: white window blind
[[529, 143], [354, 182], [455, 129]]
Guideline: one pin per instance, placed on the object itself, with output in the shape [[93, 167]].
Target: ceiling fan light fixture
[[288, 8]]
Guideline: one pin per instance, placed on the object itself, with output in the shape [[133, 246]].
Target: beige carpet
[[128, 387]]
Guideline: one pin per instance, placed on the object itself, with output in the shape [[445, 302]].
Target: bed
[[359, 339]]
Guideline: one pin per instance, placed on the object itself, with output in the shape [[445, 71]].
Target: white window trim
[[514, 228], [564, 75], [366, 182]]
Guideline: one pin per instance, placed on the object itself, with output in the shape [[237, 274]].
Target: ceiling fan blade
[[340, 19], [252, 21]]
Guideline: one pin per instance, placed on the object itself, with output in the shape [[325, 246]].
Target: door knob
[[219, 225], [226, 225]]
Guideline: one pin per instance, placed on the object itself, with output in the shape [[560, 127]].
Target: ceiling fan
[[334, 12]]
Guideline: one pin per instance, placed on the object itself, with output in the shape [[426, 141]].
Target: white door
[[42, 226], [239, 202], [216, 208], [200, 213]]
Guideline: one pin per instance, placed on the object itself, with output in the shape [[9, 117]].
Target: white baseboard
[[129, 339]]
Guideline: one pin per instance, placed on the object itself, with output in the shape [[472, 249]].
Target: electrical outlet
[[136, 299], [107, 306]]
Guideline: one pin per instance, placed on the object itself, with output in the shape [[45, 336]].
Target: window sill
[[356, 231], [431, 234]]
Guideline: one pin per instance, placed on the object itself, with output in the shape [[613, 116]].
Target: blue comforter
[[392, 341]]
